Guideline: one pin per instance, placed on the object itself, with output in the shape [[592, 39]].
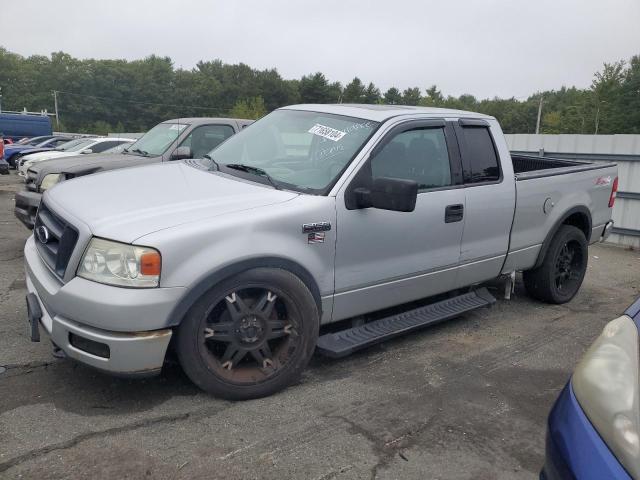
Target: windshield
[[36, 141], [118, 148], [42, 143], [158, 139], [72, 145], [304, 151]]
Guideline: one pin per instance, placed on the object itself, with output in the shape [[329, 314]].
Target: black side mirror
[[393, 194], [181, 153]]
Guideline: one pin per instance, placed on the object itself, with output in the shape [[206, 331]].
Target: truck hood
[[78, 165], [126, 204]]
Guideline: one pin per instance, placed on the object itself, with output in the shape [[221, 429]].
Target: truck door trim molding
[[415, 275]]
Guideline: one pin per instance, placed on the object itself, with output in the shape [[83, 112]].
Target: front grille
[[57, 243]]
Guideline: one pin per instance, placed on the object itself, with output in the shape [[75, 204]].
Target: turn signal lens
[[150, 263]]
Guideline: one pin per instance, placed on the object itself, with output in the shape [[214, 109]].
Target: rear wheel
[[560, 276], [249, 336]]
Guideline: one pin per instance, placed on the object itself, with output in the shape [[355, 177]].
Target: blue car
[[593, 430], [36, 144]]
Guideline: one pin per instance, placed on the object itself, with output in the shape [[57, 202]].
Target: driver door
[[386, 258]]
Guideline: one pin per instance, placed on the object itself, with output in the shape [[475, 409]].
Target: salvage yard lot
[[465, 399]]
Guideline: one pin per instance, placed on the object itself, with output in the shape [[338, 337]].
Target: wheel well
[[578, 217], [579, 220], [217, 276]]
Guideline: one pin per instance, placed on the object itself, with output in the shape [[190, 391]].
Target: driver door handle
[[454, 213]]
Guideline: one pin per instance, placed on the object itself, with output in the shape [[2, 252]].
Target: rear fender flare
[[583, 211]]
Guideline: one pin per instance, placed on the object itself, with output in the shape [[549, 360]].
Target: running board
[[345, 342]]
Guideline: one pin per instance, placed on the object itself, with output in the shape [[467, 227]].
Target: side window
[[420, 155], [102, 146], [481, 155], [205, 138]]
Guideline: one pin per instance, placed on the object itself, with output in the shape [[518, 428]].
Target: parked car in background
[[84, 147], [37, 144], [20, 158], [313, 215], [171, 140], [593, 430], [19, 125]]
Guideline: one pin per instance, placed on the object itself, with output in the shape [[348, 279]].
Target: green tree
[[393, 96], [94, 95], [316, 89], [252, 108], [628, 102], [411, 96], [434, 97], [354, 92], [372, 94]]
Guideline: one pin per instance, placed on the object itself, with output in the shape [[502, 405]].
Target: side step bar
[[345, 342]]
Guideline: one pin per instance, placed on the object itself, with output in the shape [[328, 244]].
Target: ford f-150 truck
[[377, 220], [175, 139]]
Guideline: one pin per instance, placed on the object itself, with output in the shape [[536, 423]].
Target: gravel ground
[[466, 399]]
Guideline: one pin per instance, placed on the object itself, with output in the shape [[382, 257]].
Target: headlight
[[120, 264], [606, 386], [50, 180]]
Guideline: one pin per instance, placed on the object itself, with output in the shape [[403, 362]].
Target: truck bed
[[546, 190], [528, 167]]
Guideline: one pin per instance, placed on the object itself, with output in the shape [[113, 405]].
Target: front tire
[[249, 336], [560, 276]]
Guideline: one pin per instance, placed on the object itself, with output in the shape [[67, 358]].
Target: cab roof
[[380, 113], [200, 120]]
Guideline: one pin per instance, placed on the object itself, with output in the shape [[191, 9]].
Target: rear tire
[[249, 336], [560, 276]]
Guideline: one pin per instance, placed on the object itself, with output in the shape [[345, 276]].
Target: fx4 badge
[[315, 231]]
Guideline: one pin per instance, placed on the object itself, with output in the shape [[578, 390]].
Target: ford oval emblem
[[42, 233]]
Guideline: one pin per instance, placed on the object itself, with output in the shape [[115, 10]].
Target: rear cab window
[[479, 155]]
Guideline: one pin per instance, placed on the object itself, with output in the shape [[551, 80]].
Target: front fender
[[197, 255]]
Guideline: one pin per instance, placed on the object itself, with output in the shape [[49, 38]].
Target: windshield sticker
[[327, 132], [357, 126], [327, 153], [178, 127]]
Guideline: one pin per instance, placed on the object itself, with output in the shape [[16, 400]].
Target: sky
[[504, 48]]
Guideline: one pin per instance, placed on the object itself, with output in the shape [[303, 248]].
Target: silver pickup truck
[[377, 220]]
